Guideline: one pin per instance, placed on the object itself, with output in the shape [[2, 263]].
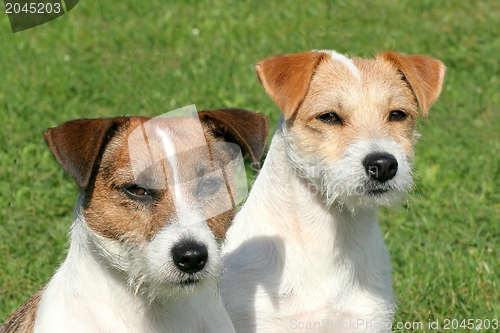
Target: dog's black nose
[[380, 166], [190, 256]]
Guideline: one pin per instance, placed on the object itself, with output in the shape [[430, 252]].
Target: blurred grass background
[[146, 58]]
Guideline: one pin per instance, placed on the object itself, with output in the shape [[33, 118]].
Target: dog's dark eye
[[208, 187], [397, 115], [330, 118], [137, 192]]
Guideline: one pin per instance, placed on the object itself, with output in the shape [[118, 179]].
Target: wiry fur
[[305, 253], [299, 260], [344, 183], [110, 286]]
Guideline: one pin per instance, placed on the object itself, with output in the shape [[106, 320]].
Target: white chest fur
[[86, 296], [294, 262]]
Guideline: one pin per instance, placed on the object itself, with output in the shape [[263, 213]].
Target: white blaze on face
[[348, 63], [186, 215]]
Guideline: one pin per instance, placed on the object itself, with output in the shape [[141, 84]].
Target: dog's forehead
[[342, 64], [356, 82], [142, 144], [184, 132], [176, 145], [356, 72]]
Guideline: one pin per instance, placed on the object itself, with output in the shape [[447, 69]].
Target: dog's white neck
[[297, 211], [316, 255], [87, 295]]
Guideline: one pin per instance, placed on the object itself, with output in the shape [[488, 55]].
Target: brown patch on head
[[23, 319], [110, 207], [220, 223], [246, 129], [132, 189], [425, 76], [77, 144], [286, 78], [117, 209]]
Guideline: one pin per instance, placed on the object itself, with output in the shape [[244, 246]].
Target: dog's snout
[[380, 166], [190, 256]]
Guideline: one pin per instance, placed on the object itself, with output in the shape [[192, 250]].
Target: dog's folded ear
[[77, 144], [246, 129], [286, 78], [425, 76]]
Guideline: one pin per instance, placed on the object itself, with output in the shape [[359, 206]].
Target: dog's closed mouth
[[378, 191], [371, 189], [189, 282]]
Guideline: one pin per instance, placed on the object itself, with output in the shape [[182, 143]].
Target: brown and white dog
[[305, 253], [153, 208]]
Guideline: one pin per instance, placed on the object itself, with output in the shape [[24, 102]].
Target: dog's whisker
[[138, 285]]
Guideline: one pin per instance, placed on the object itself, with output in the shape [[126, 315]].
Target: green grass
[[131, 57]]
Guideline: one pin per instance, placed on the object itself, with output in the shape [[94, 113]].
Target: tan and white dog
[[305, 253], [153, 208]]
